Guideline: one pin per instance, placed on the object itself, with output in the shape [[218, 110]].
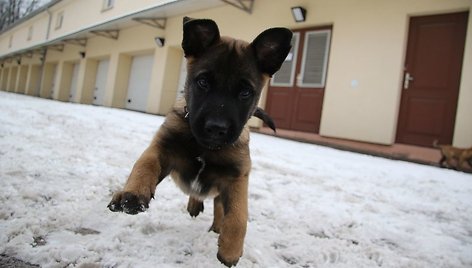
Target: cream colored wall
[[95, 13], [48, 79], [12, 79], [71, 22], [86, 80], [132, 41], [5, 75], [33, 79], [368, 45], [371, 51], [463, 127], [20, 34], [171, 74], [22, 76]]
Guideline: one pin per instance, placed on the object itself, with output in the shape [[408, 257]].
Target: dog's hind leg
[[194, 206], [441, 161]]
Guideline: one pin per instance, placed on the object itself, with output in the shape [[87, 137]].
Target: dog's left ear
[[199, 34], [271, 48]]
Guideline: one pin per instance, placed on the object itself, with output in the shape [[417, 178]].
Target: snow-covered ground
[[310, 206]]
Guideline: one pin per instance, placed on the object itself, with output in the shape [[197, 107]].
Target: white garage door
[[138, 84], [100, 82], [73, 83]]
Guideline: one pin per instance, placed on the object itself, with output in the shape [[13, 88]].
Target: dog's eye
[[245, 93], [203, 83]]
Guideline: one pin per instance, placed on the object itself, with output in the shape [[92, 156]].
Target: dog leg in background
[[141, 184], [194, 206], [441, 161], [218, 214]]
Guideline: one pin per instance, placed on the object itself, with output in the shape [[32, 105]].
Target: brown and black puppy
[[450, 154], [204, 142]]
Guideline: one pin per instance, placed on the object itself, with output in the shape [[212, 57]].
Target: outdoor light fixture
[[299, 14], [82, 54], [159, 41], [18, 61]]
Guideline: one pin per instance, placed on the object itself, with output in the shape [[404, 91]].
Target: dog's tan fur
[[230, 225], [204, 141], [453, 157]]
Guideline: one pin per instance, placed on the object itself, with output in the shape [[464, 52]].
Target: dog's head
[[225, 78]]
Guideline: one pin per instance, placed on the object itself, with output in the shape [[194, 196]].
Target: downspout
[[43, 56]]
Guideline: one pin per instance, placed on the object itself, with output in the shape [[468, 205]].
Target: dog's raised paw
[[129, 203]]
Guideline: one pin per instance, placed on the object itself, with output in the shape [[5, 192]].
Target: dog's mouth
[[212, 144]]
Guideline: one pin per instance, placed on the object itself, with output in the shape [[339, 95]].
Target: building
[[377, 71]]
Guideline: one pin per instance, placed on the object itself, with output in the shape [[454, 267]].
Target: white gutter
[[37, 88]]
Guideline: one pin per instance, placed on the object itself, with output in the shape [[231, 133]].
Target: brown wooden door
[[431, 79], [295, 96]]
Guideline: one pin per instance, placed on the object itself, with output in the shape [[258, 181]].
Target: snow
[[310, 206]]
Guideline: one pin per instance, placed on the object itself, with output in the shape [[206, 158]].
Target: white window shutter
[[315, 59]]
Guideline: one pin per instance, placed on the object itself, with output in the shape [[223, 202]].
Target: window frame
[[295, 47], [107, 5], [10, 41], [29, 35], [59, 20]]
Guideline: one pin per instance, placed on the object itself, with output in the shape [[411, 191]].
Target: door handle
[[406, 80]]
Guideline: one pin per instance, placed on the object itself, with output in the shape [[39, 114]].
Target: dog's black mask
[[225, 78]]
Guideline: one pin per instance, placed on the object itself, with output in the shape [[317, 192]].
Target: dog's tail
[[261, 114], [435, 143]]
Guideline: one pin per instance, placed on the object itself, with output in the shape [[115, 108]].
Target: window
[[309, 69], [315, 59], [286, 73], [59, 19], [30, 33], [108, 4]]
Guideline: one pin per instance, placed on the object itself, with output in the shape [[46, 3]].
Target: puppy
[[204, 141], [450, 154]]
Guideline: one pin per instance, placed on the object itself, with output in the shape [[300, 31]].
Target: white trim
[[296, 35], [325, 62]]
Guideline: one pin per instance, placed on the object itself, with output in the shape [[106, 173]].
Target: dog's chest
[[202, 176]]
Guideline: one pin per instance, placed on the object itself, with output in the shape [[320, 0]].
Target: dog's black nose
[[216, 129]]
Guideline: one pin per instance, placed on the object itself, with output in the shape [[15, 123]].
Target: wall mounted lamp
[[299, 14], [159, 41], [82, 54]]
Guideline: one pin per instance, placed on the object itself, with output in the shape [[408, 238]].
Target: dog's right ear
[[271, 48], [199, 34]]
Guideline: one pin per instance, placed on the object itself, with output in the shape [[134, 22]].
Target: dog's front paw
[[229, 261], [129, 203], [228, 253]]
